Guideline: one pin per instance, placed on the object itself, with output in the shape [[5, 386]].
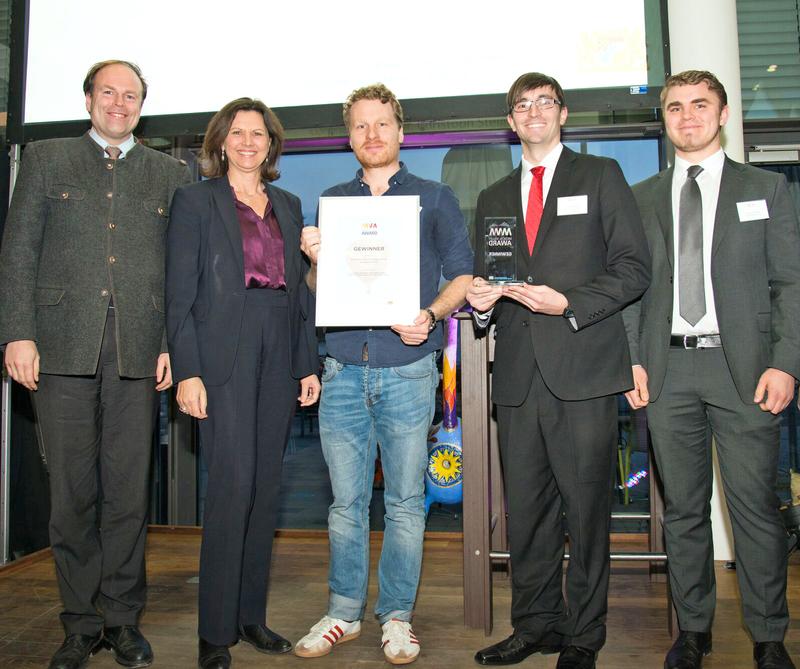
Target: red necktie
[[535, 205]]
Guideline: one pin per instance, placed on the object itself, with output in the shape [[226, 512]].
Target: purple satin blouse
[[262, 243]]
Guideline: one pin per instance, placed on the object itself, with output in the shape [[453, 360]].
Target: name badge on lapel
[[754, 210], [573, 205]]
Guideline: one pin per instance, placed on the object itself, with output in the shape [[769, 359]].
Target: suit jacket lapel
[[730, 189], [662, 205], [515, 197], [289, 230], [223, 199], [559, 187], [512, 195]]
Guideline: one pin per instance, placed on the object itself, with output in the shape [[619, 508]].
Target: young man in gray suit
[[715, 345], [560, 360], [82, 320]]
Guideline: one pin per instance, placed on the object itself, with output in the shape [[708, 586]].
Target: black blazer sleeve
[[186, 247], [302, 303]]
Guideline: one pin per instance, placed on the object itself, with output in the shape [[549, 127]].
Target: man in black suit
[[82, 318], [560, 358], [715, 345]]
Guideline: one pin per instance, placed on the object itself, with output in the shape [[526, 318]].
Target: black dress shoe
[[688, 650], [772, 655], [513, 650], [128, 646], [75, 651], [264, 640], [577, 657], [213, 657]]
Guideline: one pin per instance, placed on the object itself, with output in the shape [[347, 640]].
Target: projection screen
[[304, 56]]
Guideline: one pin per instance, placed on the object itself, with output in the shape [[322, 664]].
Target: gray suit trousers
[[699, 396]]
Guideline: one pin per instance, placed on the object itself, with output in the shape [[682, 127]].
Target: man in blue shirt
[[379, 386]]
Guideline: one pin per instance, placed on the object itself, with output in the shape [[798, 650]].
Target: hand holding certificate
[[368, 266]]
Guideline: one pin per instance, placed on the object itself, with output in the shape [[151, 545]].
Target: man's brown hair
[[692, 78], [372, 92], [529, 81], [88, 82]]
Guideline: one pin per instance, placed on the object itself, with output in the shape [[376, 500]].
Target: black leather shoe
[[688, 650], [577, 657], [772, 655], [75, 651], [128, 646], [513, 650], [264, 640], [213, 657]]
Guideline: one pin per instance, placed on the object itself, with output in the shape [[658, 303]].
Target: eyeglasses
[[523, 106]]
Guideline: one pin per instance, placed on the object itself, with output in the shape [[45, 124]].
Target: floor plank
[[637, 638]]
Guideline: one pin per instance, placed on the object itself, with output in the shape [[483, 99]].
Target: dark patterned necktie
[[690, 259], [113, 152]]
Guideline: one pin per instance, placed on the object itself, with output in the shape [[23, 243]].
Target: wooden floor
[[30, 631]]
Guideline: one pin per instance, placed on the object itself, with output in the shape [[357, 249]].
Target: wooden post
[[475, 422]]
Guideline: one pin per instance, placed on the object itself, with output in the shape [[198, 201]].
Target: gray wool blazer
[[81, 231]]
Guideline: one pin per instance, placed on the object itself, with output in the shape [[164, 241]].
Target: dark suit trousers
[[242, 441], [699, 393], [558, 456], [97, 435]]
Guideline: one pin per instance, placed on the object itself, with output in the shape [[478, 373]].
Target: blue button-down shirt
[[443, 251], [123, 147]]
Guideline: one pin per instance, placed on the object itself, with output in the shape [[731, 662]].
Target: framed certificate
[[368, 266]]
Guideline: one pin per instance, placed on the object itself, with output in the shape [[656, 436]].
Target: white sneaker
[[325, 635], [399, 644]]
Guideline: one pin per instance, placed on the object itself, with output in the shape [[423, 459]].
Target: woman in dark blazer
[[241, 338]]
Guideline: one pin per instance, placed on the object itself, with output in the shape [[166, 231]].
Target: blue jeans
[[362, 406]]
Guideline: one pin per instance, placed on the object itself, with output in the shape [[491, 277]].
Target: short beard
[[377, 161]]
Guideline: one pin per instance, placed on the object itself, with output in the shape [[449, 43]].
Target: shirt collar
[[549, 162], [398, 177], [712, 164], [124, 147]]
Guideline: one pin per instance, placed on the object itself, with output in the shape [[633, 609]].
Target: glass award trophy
[[500, 249]]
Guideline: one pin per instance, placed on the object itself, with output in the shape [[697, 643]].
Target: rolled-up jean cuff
[[345, 608], [405, 616]]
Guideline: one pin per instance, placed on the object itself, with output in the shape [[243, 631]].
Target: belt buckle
[[690, 341]]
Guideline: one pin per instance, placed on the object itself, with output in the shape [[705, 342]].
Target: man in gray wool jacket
[[82, 320]]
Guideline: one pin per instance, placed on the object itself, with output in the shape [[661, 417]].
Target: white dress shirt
[[708, 180], [549, 163]]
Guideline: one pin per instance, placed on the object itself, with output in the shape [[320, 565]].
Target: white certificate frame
[[368, 266]]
